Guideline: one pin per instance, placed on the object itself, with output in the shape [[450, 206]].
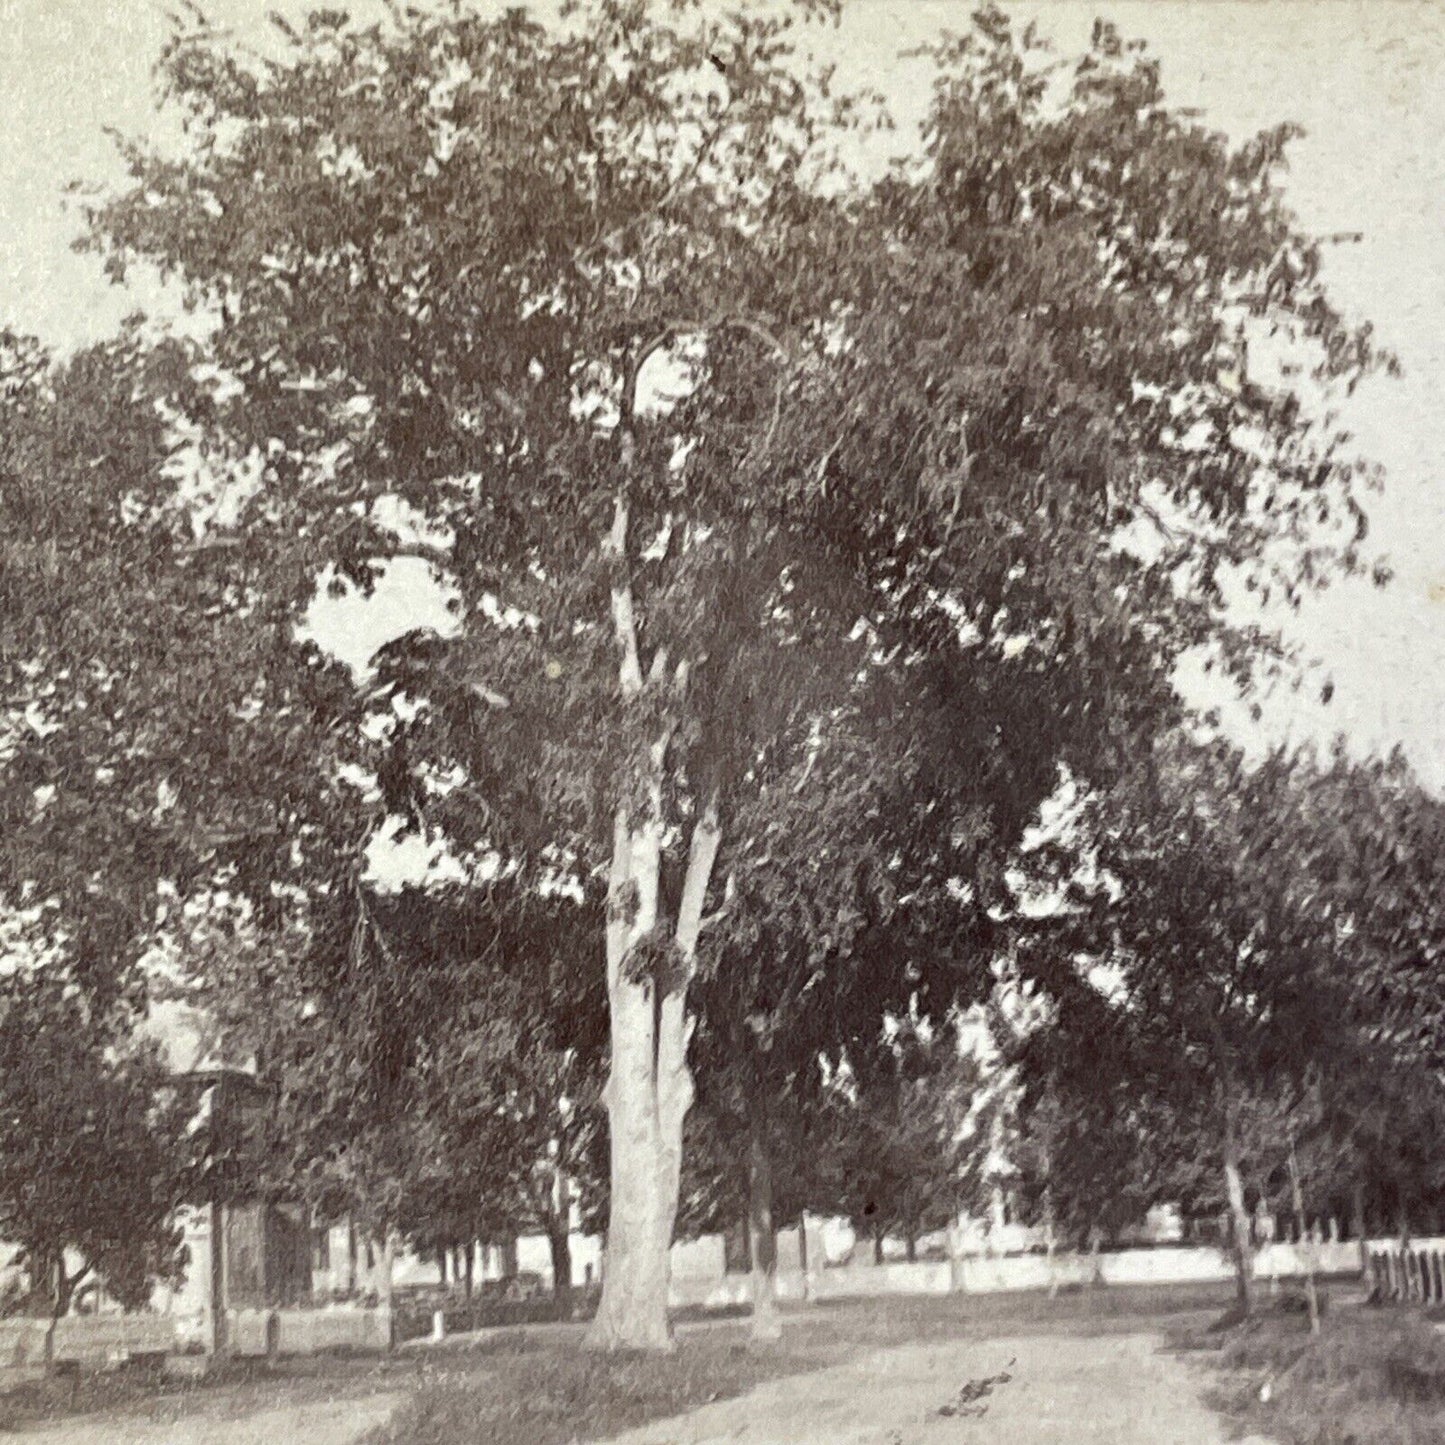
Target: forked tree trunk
[[61, 1289], [762, 1239], [649, 1087]]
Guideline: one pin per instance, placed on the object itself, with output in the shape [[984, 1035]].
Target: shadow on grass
[[242, 1385]]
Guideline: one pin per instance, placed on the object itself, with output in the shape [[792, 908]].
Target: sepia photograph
[[722, 721]]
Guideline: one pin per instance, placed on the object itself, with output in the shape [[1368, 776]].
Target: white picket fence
[[1406, 1272], [999, 1274]]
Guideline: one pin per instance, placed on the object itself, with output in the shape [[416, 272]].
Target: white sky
[[1367, 80]]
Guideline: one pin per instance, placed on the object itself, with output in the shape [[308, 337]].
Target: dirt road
[[1062, 1390]]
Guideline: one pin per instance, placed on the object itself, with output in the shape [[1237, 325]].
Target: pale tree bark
[[649, 1087], [761, 1236], [1238, 1214], [1306, 1242], [957, 1276]]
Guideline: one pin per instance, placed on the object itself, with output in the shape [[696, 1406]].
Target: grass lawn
[[537, 1387], [1371, 1377]]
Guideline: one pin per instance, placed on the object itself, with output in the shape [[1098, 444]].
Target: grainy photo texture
[[722, 720]]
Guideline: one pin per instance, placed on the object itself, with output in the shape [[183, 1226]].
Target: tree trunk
[[910, 1244], [877, 1246], [468, 1263], [351, 1260], [62, 1288], [764, 1244], [220, 1302], [384, 1282], [560, 1244], [442, 1264], [54, 1273], [1049, 1241], [649, 1087], [1306, 1241], [957, 1271], [1357, 1223], [1238, 1214], [803, 1254]]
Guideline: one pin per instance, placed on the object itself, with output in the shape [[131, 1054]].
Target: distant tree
[[128, 653], [1214, 948], [95, 1159], [1375, 839], [1091, 1152], [444, 254], [433, 1053], [906, 1165], [521, 1122]]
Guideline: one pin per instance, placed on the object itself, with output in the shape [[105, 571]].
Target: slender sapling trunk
[[761, 1236]]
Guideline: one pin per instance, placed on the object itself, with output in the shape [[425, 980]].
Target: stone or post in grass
[[438, 1326]]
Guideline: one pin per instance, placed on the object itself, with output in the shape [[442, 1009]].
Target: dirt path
[[1062, 1390], [317, 1422]]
